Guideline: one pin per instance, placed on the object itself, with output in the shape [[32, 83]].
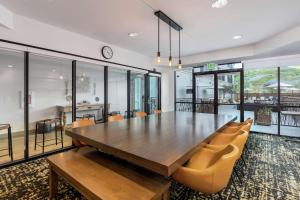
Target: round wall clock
[[107, 52]]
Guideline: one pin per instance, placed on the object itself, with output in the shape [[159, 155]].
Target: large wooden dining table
[[160, 143]]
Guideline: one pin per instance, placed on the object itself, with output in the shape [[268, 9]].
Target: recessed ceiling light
[[10, 66], [133, 34], [237, 37], [219, 3]]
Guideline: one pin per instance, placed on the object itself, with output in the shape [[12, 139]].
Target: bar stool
[[89, 116], [9, 138], [41, 128]]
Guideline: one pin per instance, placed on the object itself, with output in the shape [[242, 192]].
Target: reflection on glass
[[205, 93], [90, 91], [117, 91], [153, 94], [184, 84], [50, 99], [290, 100], [261, 94], [11, 105], [137, 92], [229, 88]]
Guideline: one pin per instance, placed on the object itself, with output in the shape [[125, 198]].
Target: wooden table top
[[161, 143]]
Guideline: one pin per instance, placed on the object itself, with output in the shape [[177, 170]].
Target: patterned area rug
[[272, 172]]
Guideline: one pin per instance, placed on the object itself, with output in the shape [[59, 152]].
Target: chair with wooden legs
[[115, 118], [140, 114], [157, 112], [81, 123], [209, 171]]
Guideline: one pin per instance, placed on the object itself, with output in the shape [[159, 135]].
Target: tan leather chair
[[140, 114], [115, 118], [81, 123], [208, 171], [234, 129], [157, 112]]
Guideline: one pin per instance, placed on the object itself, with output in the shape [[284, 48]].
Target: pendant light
[[170, 37], [158, 41], [179, 56]]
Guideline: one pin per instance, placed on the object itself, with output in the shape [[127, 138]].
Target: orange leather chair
[[208, 171], [81, 123], [157, 112], [140, 114], [235, 126], [115, 118]]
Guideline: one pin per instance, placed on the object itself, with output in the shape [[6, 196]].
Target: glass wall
[[184, 90], [290, 101], [205, 93], [11, 105], [117, 92], [229, 94], [137, 93], [261, 99], [153, 94], [50, 97], [90, 91]]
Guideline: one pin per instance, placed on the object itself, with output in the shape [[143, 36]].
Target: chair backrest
[[115, 118], [246, 127], [82, 123], [222, 168], [239, 141], [157, 111], [140, 114]]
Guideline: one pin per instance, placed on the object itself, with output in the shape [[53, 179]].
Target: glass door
[[153, 90], [229, 93], [205, 93], [137, 93]]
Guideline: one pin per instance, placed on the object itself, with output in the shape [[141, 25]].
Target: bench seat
[[99, 176]]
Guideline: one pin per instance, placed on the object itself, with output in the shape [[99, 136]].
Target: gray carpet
[[272, 172]]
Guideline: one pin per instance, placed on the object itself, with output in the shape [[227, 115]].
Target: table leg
[[53, 184]]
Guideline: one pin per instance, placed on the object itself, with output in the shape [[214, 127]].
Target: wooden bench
[[99, 176]]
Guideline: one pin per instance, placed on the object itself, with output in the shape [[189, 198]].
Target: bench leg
[[165, 196], [53, 184]]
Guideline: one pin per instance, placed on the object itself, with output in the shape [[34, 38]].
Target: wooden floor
[[18, 146]]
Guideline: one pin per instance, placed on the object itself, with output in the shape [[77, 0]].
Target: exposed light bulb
[[179, 64], [219, 3], [170, 61], [158, 57]]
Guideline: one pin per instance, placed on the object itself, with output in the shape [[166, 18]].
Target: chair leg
[[43, 141], [10, 149], [61, 135], [234, 185], [55, 133], [220, 196], [247, 149], [237, 175], [35, 135], [243, 160]]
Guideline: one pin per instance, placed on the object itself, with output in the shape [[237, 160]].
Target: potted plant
[[264, 116]]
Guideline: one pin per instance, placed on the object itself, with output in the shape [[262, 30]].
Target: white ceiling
[[205, 28]]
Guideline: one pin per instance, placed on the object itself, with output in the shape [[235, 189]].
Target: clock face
[[107, 52]]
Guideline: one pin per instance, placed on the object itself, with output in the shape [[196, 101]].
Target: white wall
[[33, 32]]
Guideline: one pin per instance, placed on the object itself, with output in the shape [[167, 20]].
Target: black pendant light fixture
[[158, 40], [179, 56], [170, 40], [172, 24]]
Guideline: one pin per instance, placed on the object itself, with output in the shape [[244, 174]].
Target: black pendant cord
[[170, 36], [158, 35], [179, 47]]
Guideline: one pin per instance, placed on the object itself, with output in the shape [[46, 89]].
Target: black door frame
[[216, 95], [147, 92], [73, 66]]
